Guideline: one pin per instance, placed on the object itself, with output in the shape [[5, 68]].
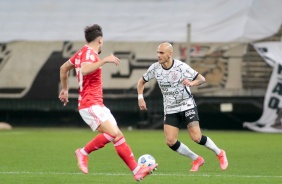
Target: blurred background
[[235, 44]]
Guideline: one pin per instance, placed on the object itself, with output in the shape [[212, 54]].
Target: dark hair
[[92, 32]]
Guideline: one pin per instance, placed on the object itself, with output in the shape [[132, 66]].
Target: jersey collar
[[170, 66]]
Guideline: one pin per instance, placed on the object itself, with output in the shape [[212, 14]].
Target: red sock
[[125, 153], [98, 142]]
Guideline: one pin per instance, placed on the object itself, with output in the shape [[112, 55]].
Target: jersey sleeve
[[72, 59], [190, 73], [150, 74]]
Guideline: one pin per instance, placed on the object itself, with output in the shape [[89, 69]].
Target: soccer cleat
[[197, 163], [222, 160], [153, 168], [145, 171], [82, 161]]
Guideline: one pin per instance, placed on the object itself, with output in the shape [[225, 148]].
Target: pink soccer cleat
[[145, 171], [82, 161], [222, 160], [196, 164]]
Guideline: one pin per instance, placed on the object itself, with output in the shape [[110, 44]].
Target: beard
[[100, 50]]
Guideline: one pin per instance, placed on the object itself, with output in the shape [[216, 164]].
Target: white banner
[[212, 21], [270, 121]]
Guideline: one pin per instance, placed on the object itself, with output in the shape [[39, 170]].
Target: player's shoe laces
[[222, 160], [145, 171], [197, 163], [82, 161]]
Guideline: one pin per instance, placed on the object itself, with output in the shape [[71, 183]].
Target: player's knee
[[116, 135], [196, 139], [170, 142], [112, 131]]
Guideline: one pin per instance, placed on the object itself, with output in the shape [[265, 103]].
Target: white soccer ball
[[146, 160]]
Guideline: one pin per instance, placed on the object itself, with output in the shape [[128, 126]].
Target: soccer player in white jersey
[[175, 79], [88, 68]]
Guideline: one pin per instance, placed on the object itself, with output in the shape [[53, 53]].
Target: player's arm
[[88, 67], [196, 82], [140, 90], [64, 72]]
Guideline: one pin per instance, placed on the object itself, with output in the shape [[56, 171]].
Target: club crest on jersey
[[174, 76]]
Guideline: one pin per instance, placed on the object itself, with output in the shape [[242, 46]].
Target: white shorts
[[95, 115]]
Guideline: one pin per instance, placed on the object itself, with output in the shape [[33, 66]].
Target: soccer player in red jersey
[[88, 68]]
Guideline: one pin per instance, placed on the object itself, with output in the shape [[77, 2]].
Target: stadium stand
[[34, 22]]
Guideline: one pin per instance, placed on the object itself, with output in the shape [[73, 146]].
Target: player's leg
[[122, 148], [196, 135], [125, 153], [92, 116], [171, 129], [120, 144], [171, 135], [100, 119], [96, 143]]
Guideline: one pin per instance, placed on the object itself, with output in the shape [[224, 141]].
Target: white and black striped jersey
[[176, 96]]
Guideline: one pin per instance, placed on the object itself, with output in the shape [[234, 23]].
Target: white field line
[[123, 174]]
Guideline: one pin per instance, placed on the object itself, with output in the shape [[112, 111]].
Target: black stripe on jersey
[[194, 101], [187, 92], [195, 76], [144, 79]]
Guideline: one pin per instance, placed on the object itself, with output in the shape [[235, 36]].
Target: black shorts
[[183, 118]]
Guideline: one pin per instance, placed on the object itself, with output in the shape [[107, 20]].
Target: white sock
[[211, 145], [185, 151], [136, 170], [83, 151]]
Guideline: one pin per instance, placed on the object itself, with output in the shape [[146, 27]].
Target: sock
[[125, 153], [136, 170], [83, 152], [182, 149], [98, 142], [211, 145]]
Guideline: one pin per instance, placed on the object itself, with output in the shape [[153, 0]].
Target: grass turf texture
[[47, 156]]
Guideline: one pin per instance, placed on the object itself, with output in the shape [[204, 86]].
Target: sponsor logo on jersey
[[177, 105], [171, 93]]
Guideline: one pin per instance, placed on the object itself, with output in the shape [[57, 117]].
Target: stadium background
[[38, 36]]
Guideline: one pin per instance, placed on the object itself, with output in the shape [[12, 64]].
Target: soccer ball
[[146, 160]]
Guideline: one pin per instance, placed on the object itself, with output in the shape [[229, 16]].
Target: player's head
[[94, 34], [165, 51]]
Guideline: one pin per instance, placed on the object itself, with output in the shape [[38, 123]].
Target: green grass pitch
[[46, 155]]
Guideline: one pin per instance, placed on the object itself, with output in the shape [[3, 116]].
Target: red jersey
[[90, 86]]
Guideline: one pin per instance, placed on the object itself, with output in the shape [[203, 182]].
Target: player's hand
[[112, 59], [187, 82], [64, 96], [142, 104]]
